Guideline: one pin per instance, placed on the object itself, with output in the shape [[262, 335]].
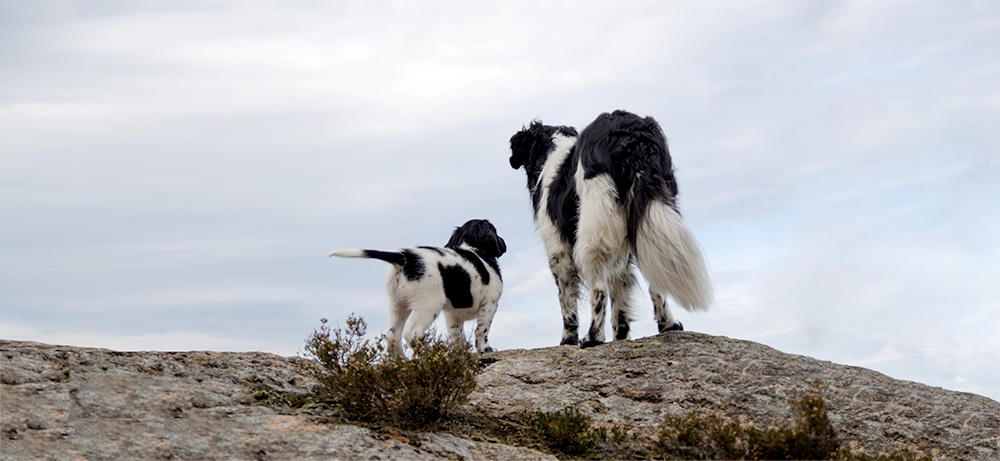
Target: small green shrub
[[567, 431], [365, 383]]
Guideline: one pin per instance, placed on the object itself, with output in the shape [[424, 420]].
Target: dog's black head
[[479, 234], [531, 146]]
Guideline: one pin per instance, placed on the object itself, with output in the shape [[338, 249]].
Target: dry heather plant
[[358, 377]]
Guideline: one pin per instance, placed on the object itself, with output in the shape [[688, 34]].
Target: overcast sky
[[172, 173]]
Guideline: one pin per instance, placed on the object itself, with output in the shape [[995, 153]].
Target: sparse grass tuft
[[698, 435], [365, 383], [712, 436]]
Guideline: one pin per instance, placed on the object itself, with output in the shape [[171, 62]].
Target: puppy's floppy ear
[[456, 237], [490, 241]]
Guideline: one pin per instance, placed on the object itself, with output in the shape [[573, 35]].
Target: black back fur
[[633, 151]]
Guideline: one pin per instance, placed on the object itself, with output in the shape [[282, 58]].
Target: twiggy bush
[[365, 383]]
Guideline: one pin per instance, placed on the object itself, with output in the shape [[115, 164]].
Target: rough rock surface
[[60, 402], [638, 382], [66, 402]]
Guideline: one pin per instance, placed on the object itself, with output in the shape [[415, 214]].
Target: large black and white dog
[[462, 280], [603, 201]]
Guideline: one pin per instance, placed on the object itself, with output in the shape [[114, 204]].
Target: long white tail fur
[[671, 259], [348, 253]]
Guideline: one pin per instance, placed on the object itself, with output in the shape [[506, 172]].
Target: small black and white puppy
[[604, 201], [462, 280]]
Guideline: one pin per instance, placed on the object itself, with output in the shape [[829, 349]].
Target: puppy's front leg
[[483, 322]]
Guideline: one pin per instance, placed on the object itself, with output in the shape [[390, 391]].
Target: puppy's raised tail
[[671, 259], [391, 257]]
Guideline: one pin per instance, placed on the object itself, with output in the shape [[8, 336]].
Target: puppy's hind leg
[[424, 314], [398, 313], [483, 321]]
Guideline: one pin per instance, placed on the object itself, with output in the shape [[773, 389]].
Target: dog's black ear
[[520, 148], [524, 141]]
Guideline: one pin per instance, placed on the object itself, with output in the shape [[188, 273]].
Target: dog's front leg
[[483, 321]]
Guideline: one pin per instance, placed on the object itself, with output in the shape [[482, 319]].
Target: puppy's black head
[[531, 146], [479, 234]]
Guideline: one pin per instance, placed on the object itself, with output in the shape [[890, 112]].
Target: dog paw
[[590, 343], [488, 349], [572, 341], [677, 326]]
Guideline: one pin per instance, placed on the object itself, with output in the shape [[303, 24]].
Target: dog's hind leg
[[568, 282], [601, 249], [598, 299], [665, 320], [622, 286]]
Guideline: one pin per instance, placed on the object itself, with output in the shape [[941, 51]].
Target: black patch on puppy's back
[[477, 262], [457, 286], [413, 265]]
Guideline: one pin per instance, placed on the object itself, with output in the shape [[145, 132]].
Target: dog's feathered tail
[[391, 257], [670, 257]]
